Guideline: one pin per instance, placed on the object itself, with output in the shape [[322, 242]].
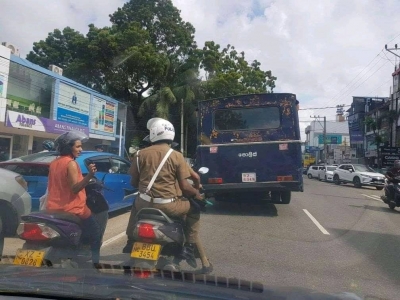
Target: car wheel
[[309, 176], [379, 188], [336, 179], [286, 196], [357, 182]]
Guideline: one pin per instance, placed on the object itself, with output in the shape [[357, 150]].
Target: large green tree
[[148, 58], [227, 72]]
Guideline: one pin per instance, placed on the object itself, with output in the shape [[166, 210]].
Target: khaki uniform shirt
[[166, 184]]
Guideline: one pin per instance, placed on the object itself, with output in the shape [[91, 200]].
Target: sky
[[325, 52]]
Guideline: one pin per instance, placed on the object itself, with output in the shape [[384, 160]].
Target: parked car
[[313, 171], [327, 173], [15, 201], [359, 175], [110, 167]]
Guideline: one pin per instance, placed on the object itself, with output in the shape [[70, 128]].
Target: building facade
[[38, 104], [361, 106], [337, 141]]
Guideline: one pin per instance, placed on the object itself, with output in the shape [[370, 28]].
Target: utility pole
[[182, 126], [395, 94], [325, 152]]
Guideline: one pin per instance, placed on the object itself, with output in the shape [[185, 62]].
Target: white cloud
[[315, 48]]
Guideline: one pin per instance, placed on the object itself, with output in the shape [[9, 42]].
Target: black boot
[[188, 254], [128, 246]]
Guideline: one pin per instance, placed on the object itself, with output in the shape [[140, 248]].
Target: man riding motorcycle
[[169, 189], [390, 175]]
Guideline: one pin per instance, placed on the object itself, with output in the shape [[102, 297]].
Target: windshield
[[44, 157], [362, 168], [285, 103], [247, 118]]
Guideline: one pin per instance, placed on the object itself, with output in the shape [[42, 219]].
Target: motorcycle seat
[[56, 215], [158, 215]]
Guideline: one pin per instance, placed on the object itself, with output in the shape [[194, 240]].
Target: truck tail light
[[215, 180]]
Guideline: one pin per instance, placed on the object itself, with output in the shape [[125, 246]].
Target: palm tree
[[379, 138], [185, 87]]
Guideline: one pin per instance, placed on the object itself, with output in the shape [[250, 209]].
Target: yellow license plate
[[30, 258], [146, 251]]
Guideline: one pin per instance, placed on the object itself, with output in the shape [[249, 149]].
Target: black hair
[[66, 149]]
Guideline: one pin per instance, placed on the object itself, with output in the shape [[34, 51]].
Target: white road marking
[[113, 239], [323, 230], [376, 198]]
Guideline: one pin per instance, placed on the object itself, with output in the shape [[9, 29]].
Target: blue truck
[[251, 145]]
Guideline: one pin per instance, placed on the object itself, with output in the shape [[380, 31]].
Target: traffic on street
[[330, 238]]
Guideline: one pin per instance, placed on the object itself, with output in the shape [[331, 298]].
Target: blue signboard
[[311, 149], [330, 139], [73, 105]]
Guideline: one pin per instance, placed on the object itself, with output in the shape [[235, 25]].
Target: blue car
[[111, 168]]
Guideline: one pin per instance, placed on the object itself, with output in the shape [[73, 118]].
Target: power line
[[325, 107], [345, 88]]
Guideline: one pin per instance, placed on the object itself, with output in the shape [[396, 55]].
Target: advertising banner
[[30, 122], [103, 116], [389, 155], [73, 105], [330, 139]]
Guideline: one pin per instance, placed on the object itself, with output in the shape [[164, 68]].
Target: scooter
[[159, 239], [55, 238], [387, 198]]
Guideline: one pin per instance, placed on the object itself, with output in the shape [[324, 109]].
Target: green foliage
[[148, 58]]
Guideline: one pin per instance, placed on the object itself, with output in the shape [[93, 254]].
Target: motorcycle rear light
[[146, 231], [215, 180], [36, 232]]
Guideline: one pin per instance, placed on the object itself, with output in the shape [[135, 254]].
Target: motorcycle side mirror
[[204, 170]]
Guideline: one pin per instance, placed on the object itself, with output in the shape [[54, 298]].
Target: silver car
[[15, 201]]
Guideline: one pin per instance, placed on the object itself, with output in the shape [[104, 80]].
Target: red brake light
[[36, 232], [215, 180], [146, 231], [285, 178]]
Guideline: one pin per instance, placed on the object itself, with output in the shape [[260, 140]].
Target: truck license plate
[[249, 177]]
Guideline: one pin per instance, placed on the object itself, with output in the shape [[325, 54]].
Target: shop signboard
[[103, 117], [389, 155], [24, 121], [73, 105], [330, 139]]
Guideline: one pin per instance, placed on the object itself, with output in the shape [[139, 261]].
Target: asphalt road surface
[[329, 238]]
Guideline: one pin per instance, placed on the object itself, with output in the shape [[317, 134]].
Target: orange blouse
[[60, 195]]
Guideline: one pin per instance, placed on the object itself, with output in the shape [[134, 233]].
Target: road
[[330, 239]]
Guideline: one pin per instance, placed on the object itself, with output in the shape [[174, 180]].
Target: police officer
[[170, 188], [390, 175]]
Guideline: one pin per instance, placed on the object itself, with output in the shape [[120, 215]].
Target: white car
[[359, 175], [15, 201], [327, 174], [313, 171]]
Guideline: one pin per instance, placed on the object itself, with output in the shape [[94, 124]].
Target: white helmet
[[161, 130]]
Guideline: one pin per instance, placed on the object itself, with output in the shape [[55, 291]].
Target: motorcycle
[[387, 198], [55, 238], [159, 239]]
